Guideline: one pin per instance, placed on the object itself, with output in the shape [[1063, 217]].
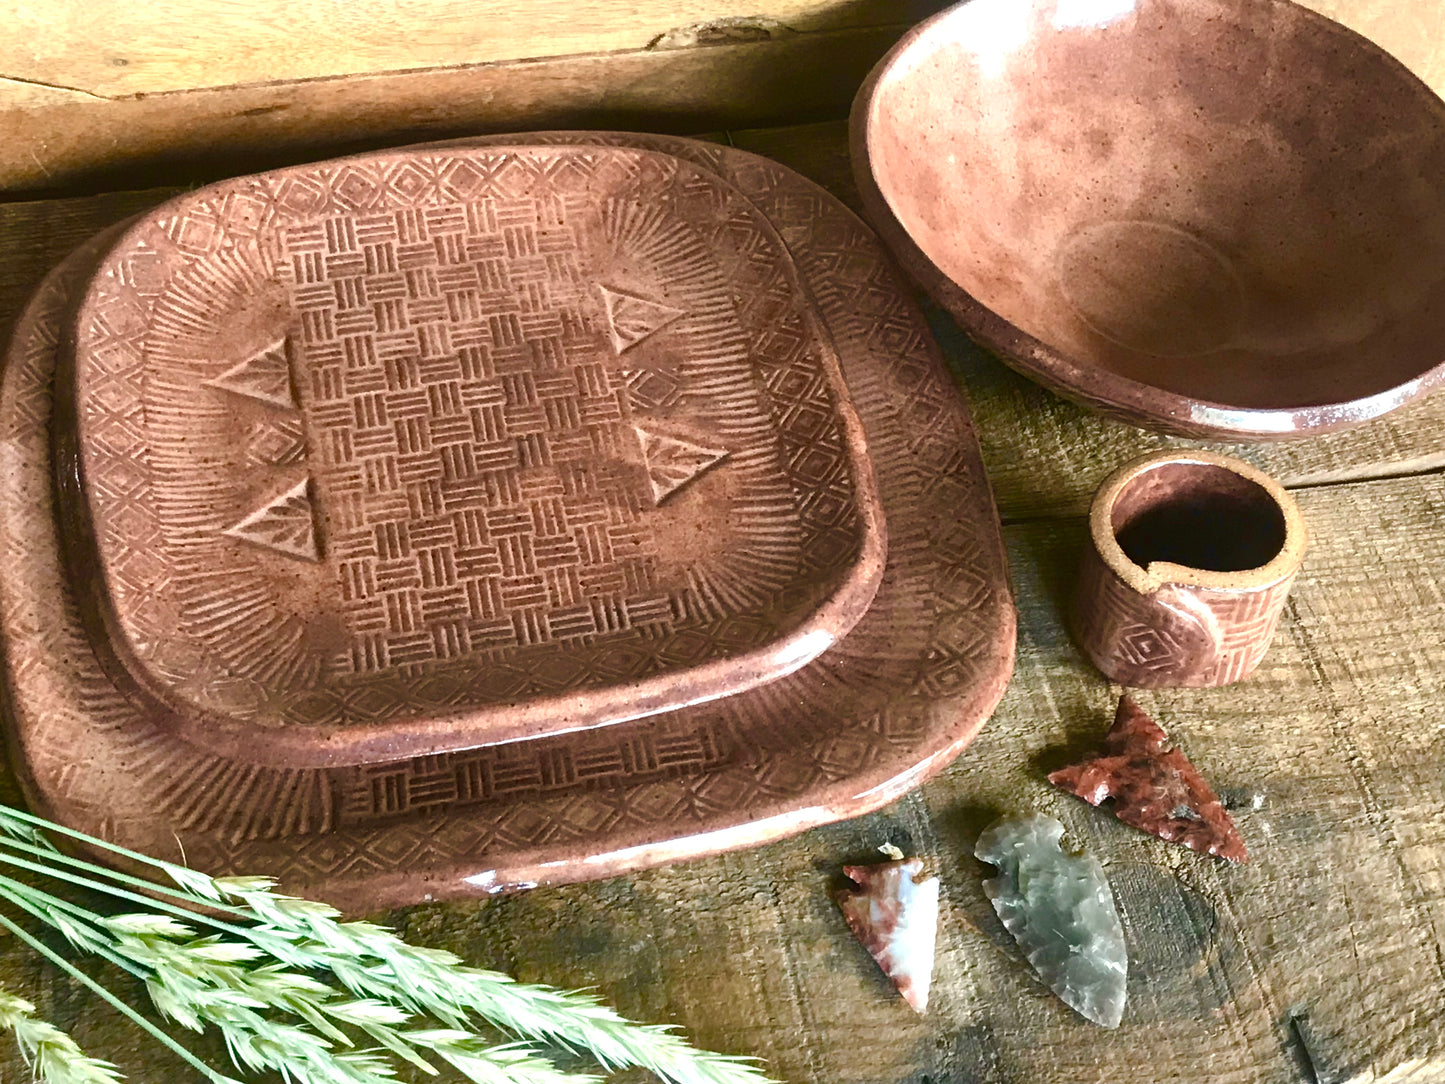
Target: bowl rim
[[1114, 395]]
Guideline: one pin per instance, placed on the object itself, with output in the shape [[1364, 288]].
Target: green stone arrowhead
[[1059, 908]]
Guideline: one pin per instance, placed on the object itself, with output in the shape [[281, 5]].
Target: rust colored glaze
[[1154, 787], [428, 449], [1191, 558], [874, 715], [1208, 217]]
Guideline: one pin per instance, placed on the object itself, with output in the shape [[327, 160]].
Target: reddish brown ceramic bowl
[[1210, 217]]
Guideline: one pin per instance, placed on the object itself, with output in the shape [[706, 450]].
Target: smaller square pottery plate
[[813, 410], [431, 449]]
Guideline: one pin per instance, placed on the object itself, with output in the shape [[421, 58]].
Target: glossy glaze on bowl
[[1204, 216]]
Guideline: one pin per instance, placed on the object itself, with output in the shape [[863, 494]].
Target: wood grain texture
[[117, 49], [1323, 959], [177, 91], [1324, 950], [59, 141]]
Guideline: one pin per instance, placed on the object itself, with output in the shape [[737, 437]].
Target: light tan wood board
[[118, 49], [105, 95]]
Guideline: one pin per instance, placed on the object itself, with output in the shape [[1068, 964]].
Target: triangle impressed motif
[[265, 375], [631, 319], [284, 524], [673, 463]]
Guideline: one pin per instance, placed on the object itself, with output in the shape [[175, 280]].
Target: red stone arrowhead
[[1154, 787]]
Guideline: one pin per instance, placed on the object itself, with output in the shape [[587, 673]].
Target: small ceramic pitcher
[[1191, 557]]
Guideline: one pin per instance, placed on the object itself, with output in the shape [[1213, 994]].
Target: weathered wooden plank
[[178, 45], [1320, 960], [1323, 951], [1330, 939], [229, 87], [65, 141]]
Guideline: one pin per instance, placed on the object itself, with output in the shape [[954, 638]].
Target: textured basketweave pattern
[[896, 700], [460, 413]]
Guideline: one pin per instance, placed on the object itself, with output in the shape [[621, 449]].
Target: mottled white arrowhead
[[265, 375], [672, 462], [285, 524], [630, 318], [1059, 908], [894, 913]]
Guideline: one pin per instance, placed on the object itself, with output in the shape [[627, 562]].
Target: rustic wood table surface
[[1321, 960]]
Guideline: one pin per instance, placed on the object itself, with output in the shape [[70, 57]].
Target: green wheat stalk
[[51, 1054], [255, 980]]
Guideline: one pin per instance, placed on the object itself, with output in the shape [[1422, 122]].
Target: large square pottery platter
[[864, 702]]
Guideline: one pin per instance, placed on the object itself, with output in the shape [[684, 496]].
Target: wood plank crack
[[798, 1001], [726, 31], [43, 85], [1300, 1045]]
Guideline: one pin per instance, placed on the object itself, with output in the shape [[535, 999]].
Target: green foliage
[[295, 990], [50, 1052]]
